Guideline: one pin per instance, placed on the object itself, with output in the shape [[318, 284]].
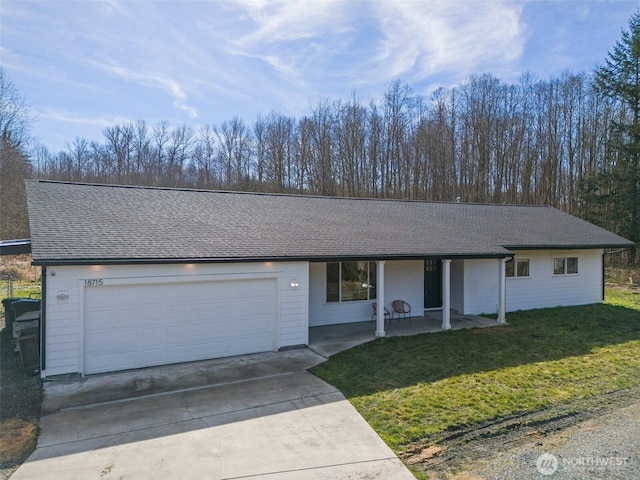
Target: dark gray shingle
[[85, 223]]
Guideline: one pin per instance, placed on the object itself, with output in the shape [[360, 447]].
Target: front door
[[432, 283]]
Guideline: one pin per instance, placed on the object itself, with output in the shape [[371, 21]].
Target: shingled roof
[[73, 223]]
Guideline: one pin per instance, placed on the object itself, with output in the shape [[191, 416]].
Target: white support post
[[502, 291], [380, 299], [446, 294]]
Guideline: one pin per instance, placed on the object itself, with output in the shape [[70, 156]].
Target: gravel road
[[604, 447]]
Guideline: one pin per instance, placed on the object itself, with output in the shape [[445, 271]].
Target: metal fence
[[10, 287]]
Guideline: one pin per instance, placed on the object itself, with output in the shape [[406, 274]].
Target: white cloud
[[293, 37], [290, 20], [71, 116], [192, 112], [371, 43], [425, 38], [152, 79]]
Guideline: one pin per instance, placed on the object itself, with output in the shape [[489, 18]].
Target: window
[[522, 267], [517, 268], [333, 282], [565, 265], [559, 265], [351, 281], [510, 269]]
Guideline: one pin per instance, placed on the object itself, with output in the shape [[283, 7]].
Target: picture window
[[351, 281]]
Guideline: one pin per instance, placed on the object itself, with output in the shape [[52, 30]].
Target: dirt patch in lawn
[[472, 454], [17, 437]]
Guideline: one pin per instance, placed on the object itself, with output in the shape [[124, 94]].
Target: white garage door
[[137, 326]]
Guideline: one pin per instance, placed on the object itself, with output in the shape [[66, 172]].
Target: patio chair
[[387, 313], [401, 308]]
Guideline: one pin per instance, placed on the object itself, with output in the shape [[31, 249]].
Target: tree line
[[571, 142], [531, 142], [484, 141]]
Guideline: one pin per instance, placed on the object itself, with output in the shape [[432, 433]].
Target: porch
[[331, 339]]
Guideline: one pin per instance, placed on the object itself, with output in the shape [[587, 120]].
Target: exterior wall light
[[294, 284]]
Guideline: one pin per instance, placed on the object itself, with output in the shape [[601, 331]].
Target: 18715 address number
[[93, 282]]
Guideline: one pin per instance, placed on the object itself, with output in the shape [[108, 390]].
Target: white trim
[[82, 290], [380, 298], [502, 290], [186, 278], [275, 324]]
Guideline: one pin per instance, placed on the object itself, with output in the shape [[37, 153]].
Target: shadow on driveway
[[257, 416]]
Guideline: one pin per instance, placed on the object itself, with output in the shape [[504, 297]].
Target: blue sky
[[85, 65]]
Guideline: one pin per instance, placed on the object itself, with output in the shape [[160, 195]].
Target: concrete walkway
[[256, 416]]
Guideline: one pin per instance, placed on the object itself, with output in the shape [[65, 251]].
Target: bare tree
[[322, 174], [15, 166], [234, 142], [204, 157], [178, 154]]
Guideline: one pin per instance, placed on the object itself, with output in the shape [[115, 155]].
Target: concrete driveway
[[256, 416]]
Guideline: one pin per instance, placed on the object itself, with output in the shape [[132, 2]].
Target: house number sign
[[93, 282]]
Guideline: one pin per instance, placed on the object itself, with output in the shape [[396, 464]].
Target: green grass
[[417, 390]]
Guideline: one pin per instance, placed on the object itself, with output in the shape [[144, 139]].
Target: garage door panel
[[199, 330], [177, 332], [143, 325], [101, 319], [98, 362], [175, 354], [155, 335], [152, 356], [99, 341]]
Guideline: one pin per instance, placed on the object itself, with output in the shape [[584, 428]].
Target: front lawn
[[415, 391]]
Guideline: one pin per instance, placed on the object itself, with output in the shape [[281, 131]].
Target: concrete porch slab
[[331, 339]]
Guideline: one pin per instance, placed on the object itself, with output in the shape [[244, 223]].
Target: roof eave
[[306, 258], [577, 246]]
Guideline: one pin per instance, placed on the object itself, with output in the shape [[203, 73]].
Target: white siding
[[65, 316], [541, 289], [544, 289], [457, 285], [404, 279], [480, 288]]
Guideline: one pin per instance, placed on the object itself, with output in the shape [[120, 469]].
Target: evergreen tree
[[619, 181]]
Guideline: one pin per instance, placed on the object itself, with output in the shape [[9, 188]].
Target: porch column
[[446, 294], [502, 291], [380, 299]]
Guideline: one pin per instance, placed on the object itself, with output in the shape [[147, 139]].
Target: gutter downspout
[[43, 321]]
